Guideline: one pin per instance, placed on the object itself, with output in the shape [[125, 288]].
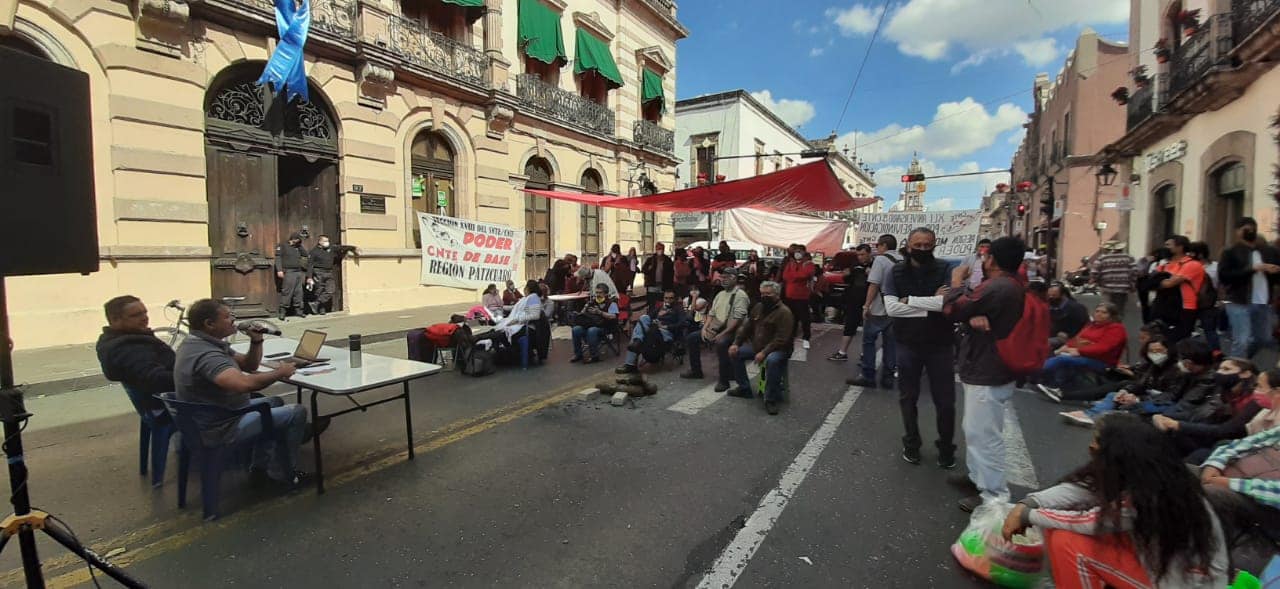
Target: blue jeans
[[1108, 404], [877, 326], [1055, 367], [592, 334], [1250, 328], [637, 337], [693, 343], [278, 455], [774, 364]]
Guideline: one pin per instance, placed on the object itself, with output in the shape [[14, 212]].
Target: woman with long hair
[[1133, 517]]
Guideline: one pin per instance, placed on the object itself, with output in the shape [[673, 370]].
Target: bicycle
[[174, 334]]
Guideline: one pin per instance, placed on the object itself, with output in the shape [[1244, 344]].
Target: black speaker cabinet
[[48, 220]]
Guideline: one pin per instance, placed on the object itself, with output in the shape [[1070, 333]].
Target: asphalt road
[[519, 482]]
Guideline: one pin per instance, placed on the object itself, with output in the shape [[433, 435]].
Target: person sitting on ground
[[1153, 365], [1132, 517], [1247, 466], [1066, 315], [1094, 349], [766, 338], [591, 278], [671, 322], [599, 316], [208, 371], [1179, 396], [131, 354], [511, 295], [728, 311], [1248, 404]]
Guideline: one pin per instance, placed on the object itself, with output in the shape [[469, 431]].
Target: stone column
[[498, 65]]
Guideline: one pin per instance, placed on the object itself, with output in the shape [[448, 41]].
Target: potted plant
[[1190, 21], [1140, 76], [1162, 50], [1002, 187], [1120, 95]]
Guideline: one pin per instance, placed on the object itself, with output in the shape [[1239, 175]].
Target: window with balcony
[[653, 101], [540, 40], [594, 67], [453, 20], [704, 158]]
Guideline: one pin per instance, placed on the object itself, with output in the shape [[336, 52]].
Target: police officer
[[322, 259], [291, 270]]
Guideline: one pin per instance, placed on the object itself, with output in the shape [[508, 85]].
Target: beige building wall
[[149, 76]]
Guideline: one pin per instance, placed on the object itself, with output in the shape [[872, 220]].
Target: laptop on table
[[307, 353]]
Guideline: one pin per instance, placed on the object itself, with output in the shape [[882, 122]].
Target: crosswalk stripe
[[1020, 469], [706, 396]]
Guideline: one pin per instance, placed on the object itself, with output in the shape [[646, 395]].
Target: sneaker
[[625, 369], [771, 407], [865, 383], [806, 344], [1077, 418], [591, 360], [739, 392], [1051, 393], [722, 387], [838, 357], [968, 504], [575, 359], [961, 480], [911, 455], [947, 460]]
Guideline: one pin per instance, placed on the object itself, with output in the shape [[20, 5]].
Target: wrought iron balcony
[[336, 17], [1191, 60], [1248, 15], [435, 52], [649, 134], [564, 106], [1141, 106]]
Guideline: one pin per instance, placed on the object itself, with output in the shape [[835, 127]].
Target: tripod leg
[[93, 559]]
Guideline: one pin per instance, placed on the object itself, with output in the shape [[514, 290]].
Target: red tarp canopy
[[800, 189]]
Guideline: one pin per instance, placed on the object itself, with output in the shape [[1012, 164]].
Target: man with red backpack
[[989, 314]]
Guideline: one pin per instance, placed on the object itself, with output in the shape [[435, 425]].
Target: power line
[[883, 11]]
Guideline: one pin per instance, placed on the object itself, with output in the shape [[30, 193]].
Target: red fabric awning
[[800, 189]]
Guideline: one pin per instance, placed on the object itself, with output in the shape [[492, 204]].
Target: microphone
[[246, 327]]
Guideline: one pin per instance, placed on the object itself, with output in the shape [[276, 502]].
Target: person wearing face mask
[[1246, 396], [324, 260], [1178, 394], [291, 271], [1096, 348], [659, 275], [719, 327], [797, 275], [599, 315], [1249, 271], [766, 340], [511, 295], [1146, 268], [1185, 279], [913, 297]]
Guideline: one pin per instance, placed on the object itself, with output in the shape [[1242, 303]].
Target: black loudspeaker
[[48, 219]]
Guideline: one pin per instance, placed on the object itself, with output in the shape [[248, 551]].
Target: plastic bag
[[983, 551]]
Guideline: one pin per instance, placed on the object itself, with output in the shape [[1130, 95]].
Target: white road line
[[707, 395], [728, 568], [1020, 470]]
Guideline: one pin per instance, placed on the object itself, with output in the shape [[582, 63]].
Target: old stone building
[[447, 106]]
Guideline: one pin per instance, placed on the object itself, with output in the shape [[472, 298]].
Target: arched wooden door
[[537, 219], [271, 170]]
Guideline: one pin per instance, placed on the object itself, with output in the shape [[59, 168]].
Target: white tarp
[[467, 254], [957, 231], [781, 230]]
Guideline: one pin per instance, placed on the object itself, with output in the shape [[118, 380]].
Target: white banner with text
[[468, 254], [957, 231]]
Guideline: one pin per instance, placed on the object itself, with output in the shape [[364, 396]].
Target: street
[[520, 481]]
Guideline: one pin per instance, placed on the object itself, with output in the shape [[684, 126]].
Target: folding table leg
[[315, 442], [408, 419]]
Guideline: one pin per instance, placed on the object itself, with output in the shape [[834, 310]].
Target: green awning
[[539, 33], [467, 3], [652, 88], [593, 54]]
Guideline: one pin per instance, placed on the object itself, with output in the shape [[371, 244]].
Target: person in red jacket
[[1096, 348], [797, 275]]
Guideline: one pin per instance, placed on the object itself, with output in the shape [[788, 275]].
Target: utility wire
[[884, 10]]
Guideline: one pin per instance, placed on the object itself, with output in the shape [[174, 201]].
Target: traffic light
[[1022, 209], [908, 178]]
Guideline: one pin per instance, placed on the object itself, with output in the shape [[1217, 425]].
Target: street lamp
[[1106, 175]]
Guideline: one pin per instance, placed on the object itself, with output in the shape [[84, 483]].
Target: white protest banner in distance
[[957, 231], [467, 254]]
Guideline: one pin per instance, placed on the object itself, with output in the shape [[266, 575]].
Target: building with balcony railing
[[1196, 152], [447, 107]]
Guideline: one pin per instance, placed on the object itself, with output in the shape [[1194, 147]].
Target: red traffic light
[[912, 178], [1022, 209]]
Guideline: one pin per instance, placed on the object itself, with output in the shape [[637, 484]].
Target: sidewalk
[[61, 369]]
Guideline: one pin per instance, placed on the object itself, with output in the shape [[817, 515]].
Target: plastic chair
[[213, 459], [154, 432]]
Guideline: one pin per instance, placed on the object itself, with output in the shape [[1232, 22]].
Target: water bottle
[[353, 344]]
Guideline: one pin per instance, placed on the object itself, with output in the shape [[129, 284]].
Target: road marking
[[728, 568], [164, 537], [1020, 470], [698, 401]]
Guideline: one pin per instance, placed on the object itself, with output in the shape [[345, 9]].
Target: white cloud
[[856, 19], [932, 29], [958, 129], [792, 112], [817, 51], [942, 204]]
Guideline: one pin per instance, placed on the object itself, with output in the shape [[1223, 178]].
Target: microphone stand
[[24, 520]]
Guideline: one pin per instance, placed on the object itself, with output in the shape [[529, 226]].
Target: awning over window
[[539, 33], [469, 3], [652, 88], [590, 53], [799, 189]]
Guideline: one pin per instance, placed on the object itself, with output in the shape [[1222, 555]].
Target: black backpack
[[470, 358], [652, 347]]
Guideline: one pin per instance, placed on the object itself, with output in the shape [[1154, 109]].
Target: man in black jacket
[[913, 297], [659, 275], [1066, 315], [130, 354], [323, 261], [291, 269], [1248, 271]]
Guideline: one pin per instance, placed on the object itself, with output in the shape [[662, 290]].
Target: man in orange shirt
[[1187, 275]]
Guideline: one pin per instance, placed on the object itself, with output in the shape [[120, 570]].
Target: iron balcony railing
[[433, 51], [337, 17], [1141, 106], [1248, 15], [650, 134], [1191, 60], [564, 106]]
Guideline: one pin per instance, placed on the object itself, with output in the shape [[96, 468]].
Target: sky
[[950, 79]]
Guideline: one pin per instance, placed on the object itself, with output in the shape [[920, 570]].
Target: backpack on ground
[[472, 359], [1026, 348]]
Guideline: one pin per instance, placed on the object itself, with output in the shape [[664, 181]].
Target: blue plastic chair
[[154, 433], [213, 459]]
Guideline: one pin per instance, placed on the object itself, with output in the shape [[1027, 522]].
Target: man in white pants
[[988, 312]]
